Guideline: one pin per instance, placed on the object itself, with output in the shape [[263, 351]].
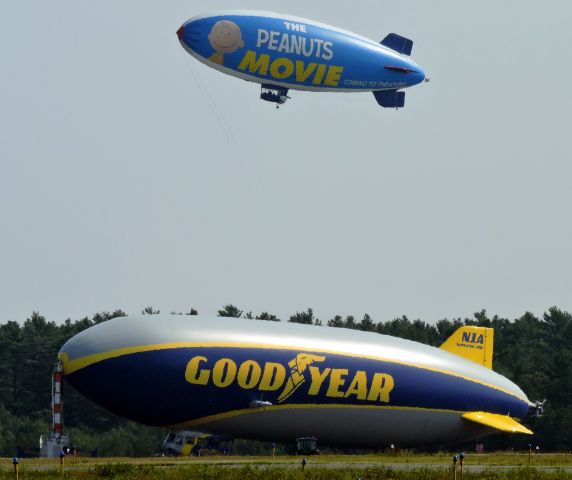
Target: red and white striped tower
[[57, 405]]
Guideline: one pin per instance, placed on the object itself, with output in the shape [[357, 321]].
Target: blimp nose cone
[[416, 75], [420, 76], [99, 364], [181, 32]]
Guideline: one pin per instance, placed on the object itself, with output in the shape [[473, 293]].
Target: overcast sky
[[133, 175]]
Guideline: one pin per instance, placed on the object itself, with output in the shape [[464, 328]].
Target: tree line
[[534, 352]]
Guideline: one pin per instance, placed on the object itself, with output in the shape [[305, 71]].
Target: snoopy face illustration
[[225, 37]]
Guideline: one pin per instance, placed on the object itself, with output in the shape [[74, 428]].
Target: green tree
[[150, 311], [306, 318], [350, 322], [366, 323], [267, 316], [105, 316], [230, 311], [337, 322]]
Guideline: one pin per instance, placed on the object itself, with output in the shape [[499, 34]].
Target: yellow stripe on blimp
[[504, 423], [72, 365]]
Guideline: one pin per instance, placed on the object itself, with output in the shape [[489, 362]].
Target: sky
[[133, 175]]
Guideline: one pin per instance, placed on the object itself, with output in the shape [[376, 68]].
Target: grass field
[[324, 467]]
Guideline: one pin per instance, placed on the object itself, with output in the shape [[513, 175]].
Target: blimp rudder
[[472, 343]]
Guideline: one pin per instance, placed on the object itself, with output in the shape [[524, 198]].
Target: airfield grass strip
[[126, 471]]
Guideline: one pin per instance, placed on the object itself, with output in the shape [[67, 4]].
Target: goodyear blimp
[[282, 52], [280, 381]]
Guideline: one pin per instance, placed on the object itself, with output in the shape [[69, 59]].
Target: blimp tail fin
[[504, 423], [398, 43], [472, 343]]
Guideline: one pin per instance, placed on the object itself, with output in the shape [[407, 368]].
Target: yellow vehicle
[[185, 443]]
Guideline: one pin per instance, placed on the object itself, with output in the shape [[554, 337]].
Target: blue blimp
[[282, 52]]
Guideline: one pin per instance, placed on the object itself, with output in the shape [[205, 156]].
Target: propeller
[[538, 407]]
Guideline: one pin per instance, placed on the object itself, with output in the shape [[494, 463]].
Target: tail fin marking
[[472, 343]]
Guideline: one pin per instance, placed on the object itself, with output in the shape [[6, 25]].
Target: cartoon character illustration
[[225, 37]]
